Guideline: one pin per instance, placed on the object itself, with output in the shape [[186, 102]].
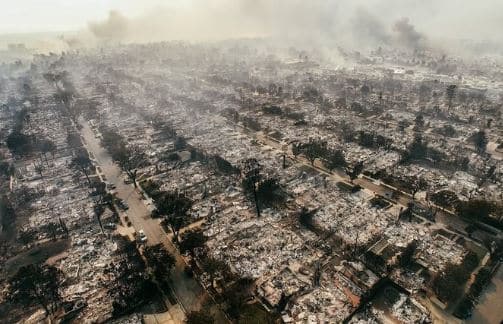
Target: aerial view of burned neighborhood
[[251, 161]]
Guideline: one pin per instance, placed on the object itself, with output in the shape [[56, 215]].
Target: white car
[[141, 236]]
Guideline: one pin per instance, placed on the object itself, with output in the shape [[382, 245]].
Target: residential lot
[[303, 193]]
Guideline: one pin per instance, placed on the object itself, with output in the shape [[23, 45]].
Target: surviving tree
[[306, 218], [335, 160], [131, 287], [20, 144], [130, 160], [419, 121], [415, 184], [180, 143], [312, 150], [174, 206], [82, 163], [476, 210], [235, 296], [36, 283], [224, 166], [407, 257], [270, 193], [192, 240], [45, 146], [354, 172], [199, 317], [159, 260], [480, 141], [417, 150]]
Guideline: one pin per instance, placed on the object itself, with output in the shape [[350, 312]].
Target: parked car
[[122, 204], [141, 236], [110, 226]]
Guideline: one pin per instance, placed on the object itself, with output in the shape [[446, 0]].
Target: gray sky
[[19, 16], [477, 19]]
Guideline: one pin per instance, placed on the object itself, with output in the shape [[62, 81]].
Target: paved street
[[443, 217], [138, 212], [489, 309], [187, 290]]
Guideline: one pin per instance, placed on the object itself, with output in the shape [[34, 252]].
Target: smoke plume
[[358, 24], [406, 33], [114, 28]]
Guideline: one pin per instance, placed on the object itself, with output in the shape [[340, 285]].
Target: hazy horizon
[[357, 24]]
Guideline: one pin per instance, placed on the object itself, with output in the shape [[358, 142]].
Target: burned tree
[[450, 93], [99, 209], [251, 177], [424, 92], [129, 158], [365, 91]]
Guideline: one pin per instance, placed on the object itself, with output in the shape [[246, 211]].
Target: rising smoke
[[407, 34], [115, 27], [360, 24]]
